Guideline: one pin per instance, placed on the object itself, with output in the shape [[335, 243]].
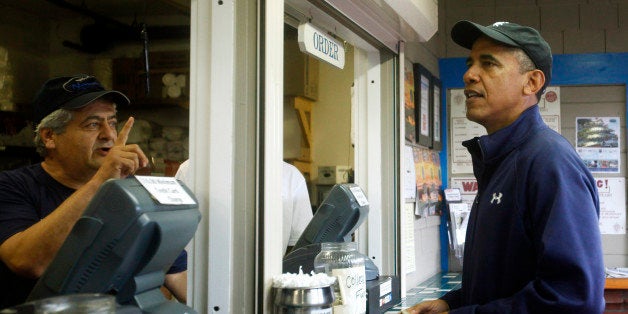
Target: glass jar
[[343, 261]]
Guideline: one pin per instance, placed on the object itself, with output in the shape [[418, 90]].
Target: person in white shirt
[[297, 209]]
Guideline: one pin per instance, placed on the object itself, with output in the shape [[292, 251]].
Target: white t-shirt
[[297, 209]]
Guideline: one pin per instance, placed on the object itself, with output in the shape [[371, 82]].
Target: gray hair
[[525, 65], [57, 121]]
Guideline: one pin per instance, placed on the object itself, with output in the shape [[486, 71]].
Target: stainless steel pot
[[317, 300], [86, 303]]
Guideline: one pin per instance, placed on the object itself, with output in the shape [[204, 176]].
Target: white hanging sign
[[321, 45]]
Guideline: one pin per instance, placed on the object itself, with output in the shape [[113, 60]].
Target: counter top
[[616, 283], [441, 283], [430, 289]]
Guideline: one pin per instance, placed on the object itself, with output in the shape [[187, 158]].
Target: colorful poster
[[598, 143], [409, 107], [428, 181]]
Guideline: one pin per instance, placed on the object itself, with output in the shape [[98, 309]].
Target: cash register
[[344, 209], [129, 235]]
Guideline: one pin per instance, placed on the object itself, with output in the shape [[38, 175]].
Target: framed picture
[[435, 101], [409, 104], [422, 78]]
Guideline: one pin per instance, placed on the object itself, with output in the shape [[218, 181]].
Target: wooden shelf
[[129, 78]]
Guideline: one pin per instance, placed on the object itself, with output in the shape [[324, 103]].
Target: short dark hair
[[525, 65]]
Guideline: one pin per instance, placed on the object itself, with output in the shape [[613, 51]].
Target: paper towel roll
[[168, 79], [174, 91]]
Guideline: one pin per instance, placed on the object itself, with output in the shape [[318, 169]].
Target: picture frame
[[437, 114], [424, 128], [409, 106]]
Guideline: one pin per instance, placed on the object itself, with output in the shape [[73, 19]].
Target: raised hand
[[122, 159]]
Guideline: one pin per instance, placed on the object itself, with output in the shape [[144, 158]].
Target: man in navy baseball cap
[[72, 92], [533, 242], [81, 146], [465, 33]]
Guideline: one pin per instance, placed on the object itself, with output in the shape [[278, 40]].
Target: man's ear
[[48, 137], [535, 82]]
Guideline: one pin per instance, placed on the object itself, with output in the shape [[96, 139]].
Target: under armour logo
[[497, 197]]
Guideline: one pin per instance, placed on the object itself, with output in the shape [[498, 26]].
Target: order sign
[[321, 45]]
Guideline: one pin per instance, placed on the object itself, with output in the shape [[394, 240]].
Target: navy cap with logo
[[71, 92], [465, 33]]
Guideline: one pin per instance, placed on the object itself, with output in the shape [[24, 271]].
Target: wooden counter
[[616, 283], [616, 296]]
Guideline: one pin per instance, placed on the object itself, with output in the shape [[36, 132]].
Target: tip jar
[[343, 261]]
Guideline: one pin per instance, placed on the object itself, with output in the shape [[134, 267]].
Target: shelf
[[161, 102], [129, 77]]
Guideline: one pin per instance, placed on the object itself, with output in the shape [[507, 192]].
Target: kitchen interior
[[318, 131], [111, 40]]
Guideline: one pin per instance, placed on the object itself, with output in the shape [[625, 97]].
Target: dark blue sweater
[[533, 243]]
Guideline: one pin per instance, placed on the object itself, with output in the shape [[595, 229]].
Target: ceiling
[[107, 22], [62, 9]]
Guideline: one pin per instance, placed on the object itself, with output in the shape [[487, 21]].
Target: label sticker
[[166, 190]]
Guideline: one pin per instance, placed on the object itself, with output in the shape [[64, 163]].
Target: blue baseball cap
[[71, 92]]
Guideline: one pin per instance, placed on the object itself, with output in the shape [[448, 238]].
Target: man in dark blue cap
[[77, 137], [533, 241]]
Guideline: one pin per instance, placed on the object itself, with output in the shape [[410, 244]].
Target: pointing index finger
[[123, 136]]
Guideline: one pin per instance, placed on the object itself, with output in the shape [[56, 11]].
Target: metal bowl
[[83, 303], [303, 300]]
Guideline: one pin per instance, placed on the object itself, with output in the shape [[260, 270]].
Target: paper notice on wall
[[407, 238], [461, 130], [549, 107], [598, 142], [612, 192], [409, 174], [459, 218], [468, 187], [424, 118]]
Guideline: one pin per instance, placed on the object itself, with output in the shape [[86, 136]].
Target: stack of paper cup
[[173, 85]]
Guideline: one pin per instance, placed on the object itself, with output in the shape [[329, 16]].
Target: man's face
[[87, 138], [493, 85]]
